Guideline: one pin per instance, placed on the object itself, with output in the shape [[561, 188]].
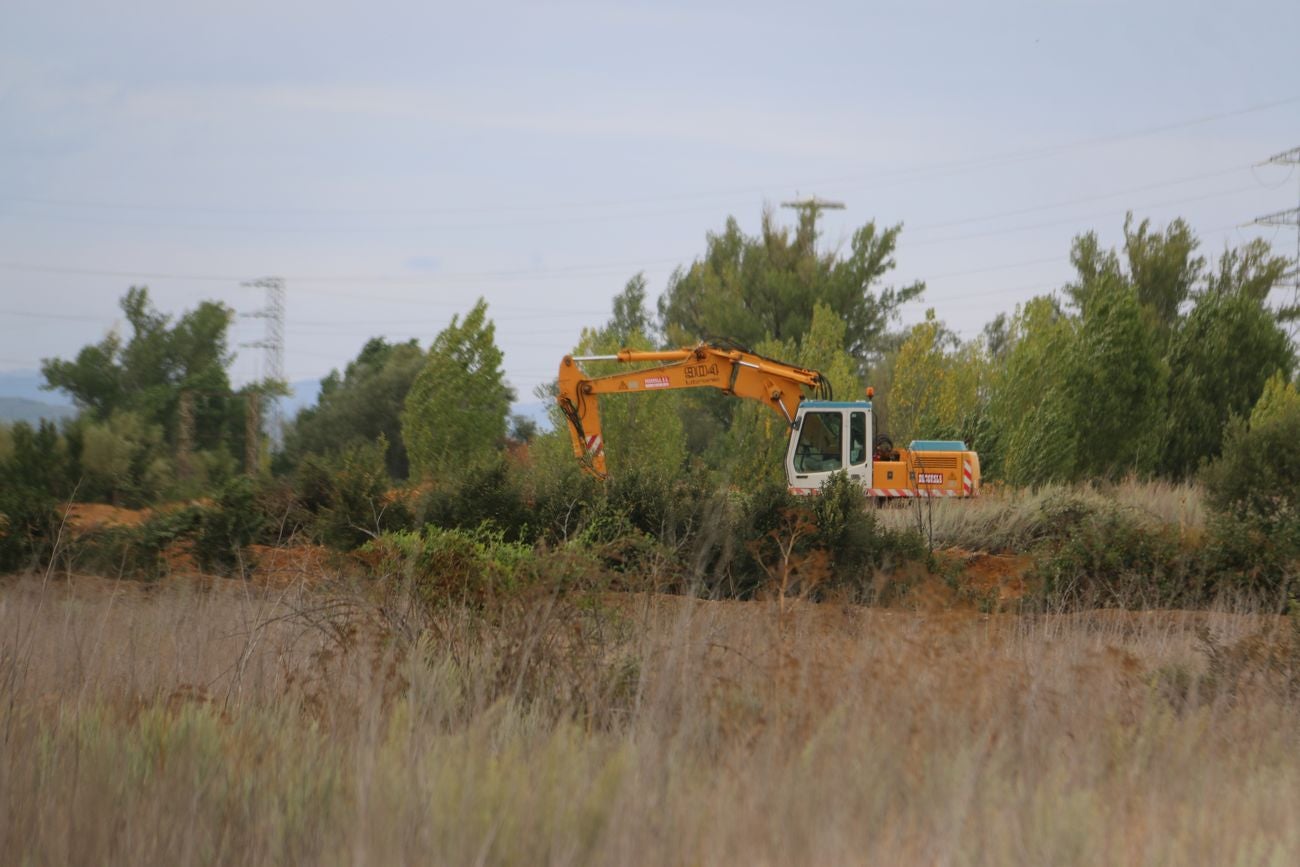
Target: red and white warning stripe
[[910, 492], [594, 444], [967, 477]]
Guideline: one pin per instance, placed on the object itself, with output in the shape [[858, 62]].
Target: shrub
[[488, 493], [345, 497], [227, 527], [1093, 552], [1253, 492]]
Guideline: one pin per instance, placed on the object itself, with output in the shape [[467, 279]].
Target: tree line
[[1140, 365]]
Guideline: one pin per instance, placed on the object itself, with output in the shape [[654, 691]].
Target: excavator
[[826, 436]]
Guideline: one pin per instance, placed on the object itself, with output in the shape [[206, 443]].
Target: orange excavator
[[826, 436]]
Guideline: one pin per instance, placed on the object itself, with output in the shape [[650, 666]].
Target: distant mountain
[[27, 383], [15, 409]]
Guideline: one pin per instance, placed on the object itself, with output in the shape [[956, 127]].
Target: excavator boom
[[732, 370]]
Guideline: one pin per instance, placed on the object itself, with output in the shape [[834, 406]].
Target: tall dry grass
[[222, 724], [1006, 519]]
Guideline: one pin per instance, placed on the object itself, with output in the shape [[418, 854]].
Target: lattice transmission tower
[[272, 346], [1289, 217]]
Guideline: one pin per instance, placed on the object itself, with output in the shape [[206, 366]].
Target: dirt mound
[[989, 578]]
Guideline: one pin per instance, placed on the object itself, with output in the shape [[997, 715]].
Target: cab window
[[857, 438], [819, 450]]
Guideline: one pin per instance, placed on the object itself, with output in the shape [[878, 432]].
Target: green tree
[[122, 460], [361, 404], [752, 289], [753, 448], [1253, 492], [642, 433], [1116, 384], [1031, 420], [455, 413], [937, 384], [146, 373], [1162, 268], [1220, 359]]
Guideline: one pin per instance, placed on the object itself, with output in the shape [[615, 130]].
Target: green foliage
[[36, 475], [1093, 552], [227, 527], [1078, 398], [753, 289], [1116, 387], [492, 495], [363, 403], [1033, 437], [122, 461], [134, 551], [442, 567], [754, 443], [1162, 268], [455, 413], [146, 373], [937, 385], [345, 496], [1253, 489], [1228, 347]]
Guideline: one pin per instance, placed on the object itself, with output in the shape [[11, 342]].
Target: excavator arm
[[732, 370]]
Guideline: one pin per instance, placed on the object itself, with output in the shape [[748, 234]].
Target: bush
[[490, 493], [132, 551], [1253, 492], [227, 527], [1092, 552], [345, 498], [35, 476]]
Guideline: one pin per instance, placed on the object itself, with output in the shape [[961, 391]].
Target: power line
[[1289, 217], [1005, 157]]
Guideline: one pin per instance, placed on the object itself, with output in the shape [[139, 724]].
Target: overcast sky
[[394, 161]]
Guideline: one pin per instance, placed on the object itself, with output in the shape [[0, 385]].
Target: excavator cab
[[838, 436], [829, 437]]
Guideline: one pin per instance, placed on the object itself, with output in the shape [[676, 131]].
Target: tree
[[752, 289], [937, 384], [1162, 268], [455, 413], [1220, 360], [753, 448], [361, 404], [146, 373], [642, 433], [1116, 384], [122, 460], [1032, 421]]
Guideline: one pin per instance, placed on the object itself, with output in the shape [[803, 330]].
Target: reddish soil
[[84, 517]]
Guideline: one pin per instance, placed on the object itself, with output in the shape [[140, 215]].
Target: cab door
[[818, 448]]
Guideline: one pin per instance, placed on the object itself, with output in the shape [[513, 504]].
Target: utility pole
[[272, 344], [1289, 217], [809, 210]]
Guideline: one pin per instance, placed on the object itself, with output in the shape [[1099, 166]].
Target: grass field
[[220, 722]]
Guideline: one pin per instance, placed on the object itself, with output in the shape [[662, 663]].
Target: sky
[[394, 161]]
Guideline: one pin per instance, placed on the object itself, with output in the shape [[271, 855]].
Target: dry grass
[[1004, 520], [186, 724]]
